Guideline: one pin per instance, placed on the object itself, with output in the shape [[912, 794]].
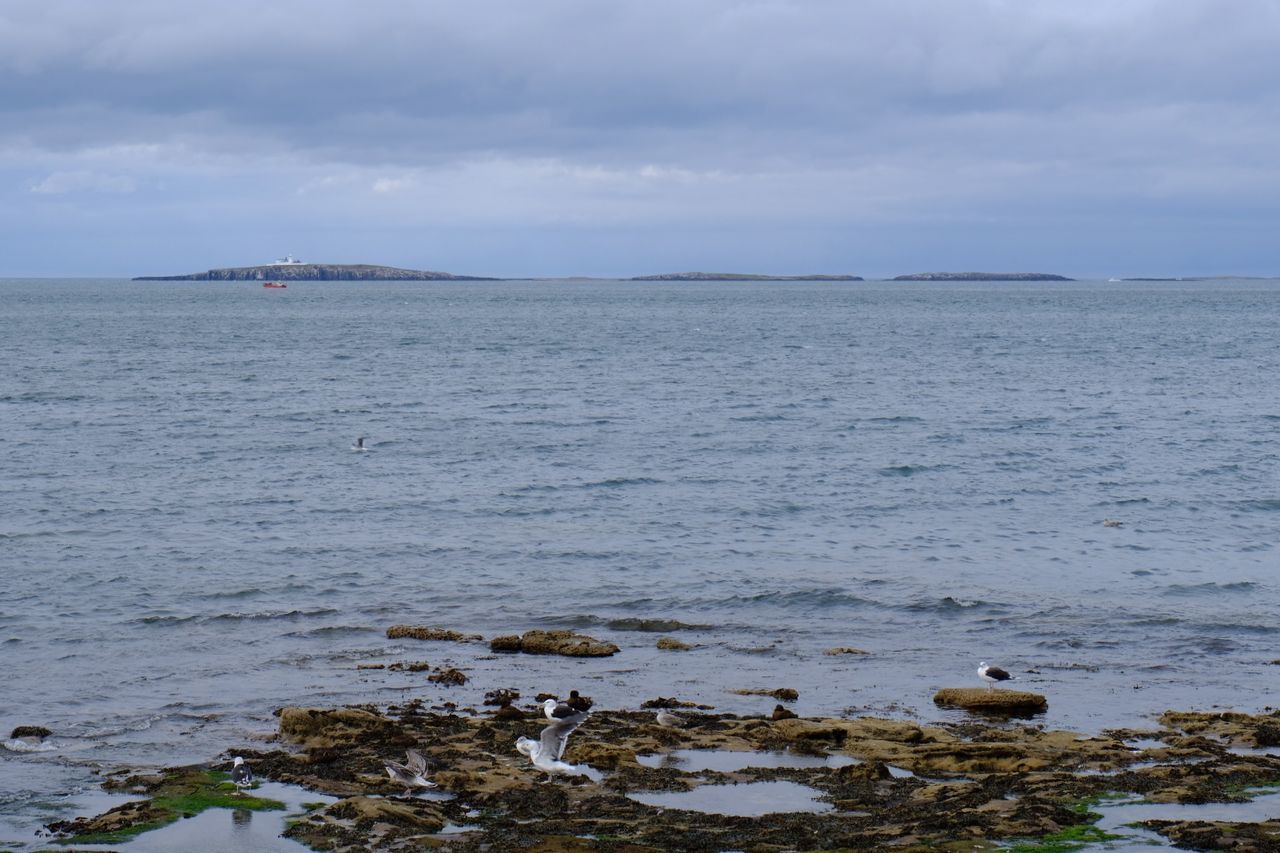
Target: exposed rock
[[30, 731], [1263, 837], [448, 677], [845, 650], [319, 728], [671, 644], [786, 694], [503, 696], [508, 713], [365, 811], [1015, 703], [410, 666], [664, 702], [423, 632], [565, 643]]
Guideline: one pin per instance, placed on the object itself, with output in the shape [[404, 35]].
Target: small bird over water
[[413, 773], [241, 775], [992, 674]]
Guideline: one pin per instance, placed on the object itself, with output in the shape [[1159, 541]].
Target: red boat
[[273, 284]]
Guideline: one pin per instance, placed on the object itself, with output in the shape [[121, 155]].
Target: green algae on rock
[[174, 794]]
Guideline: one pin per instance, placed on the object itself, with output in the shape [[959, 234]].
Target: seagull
[[545, 753], [670, 720], [556, 710], [241, 775], [992, 674], [411, 774], [359, 445]]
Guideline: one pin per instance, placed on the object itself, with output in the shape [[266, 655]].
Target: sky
[[1090, 138]]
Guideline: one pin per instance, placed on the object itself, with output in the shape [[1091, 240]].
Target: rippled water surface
[[921, 471]]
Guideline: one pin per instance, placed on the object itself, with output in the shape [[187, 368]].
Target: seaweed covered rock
[[567, 643], [321, 728], [424, 632]]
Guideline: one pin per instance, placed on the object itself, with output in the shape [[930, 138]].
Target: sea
[[1076, 481]]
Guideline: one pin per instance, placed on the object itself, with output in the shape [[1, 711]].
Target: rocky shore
[[875, 783]]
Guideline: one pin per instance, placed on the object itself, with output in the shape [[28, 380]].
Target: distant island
[[981, 276], [297, 271], [738, 276]]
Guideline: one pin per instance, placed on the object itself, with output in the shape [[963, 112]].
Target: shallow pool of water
[[749, 799], [730, 761]]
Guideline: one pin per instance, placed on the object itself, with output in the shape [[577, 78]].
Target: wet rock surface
[[1015, 703], [898, 784], [565, 643], [425, 632]]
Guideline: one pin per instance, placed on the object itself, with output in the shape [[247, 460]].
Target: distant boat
[[1113, 279], [273, 284]]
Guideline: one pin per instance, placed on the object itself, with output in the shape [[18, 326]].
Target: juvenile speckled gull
[[412, 774]]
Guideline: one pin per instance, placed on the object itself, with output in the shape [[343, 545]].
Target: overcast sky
[[626, 137]]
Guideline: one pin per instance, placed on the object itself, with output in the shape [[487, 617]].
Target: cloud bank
[[572, 136]]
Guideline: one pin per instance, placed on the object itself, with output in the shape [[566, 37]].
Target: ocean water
[[921, 471]]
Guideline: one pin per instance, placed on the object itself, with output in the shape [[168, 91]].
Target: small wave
[[1209, 587], [268, 615], [759, 418], [905, 470], [947, 604], [272, 614], [657, 626], [1259, 505], [618, 482], [334, 631], [24, 745]]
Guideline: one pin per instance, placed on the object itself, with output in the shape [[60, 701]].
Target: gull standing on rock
[[412, 774], [545, 753], [241, 775], [992, 674], [556, 710]]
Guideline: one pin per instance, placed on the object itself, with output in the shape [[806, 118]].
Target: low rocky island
[[982, 276], [314, 272], [738, 276]]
